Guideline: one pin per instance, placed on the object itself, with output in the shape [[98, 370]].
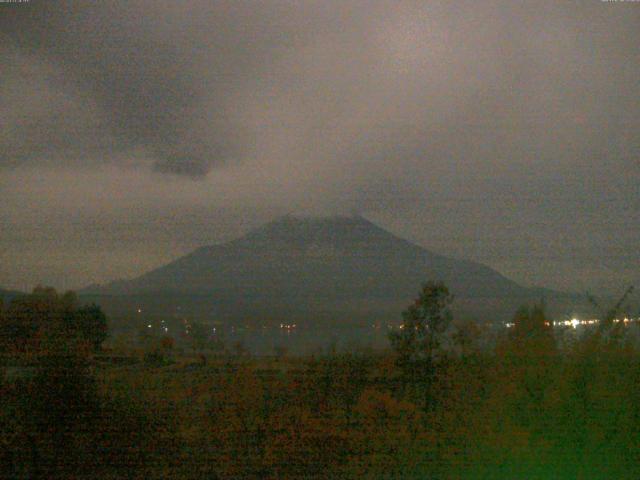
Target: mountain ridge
[[329, 270], [274, 246]]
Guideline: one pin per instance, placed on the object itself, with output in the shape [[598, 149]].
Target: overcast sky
[[505, 132]]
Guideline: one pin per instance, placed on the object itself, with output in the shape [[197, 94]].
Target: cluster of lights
[[162, 326], [624, 320], [287, 326], [575, 322]]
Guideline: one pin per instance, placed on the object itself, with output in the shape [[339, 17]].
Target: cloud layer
[[191, 87], [400, 109]]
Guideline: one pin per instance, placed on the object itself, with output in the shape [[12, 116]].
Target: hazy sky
[[505, 132]]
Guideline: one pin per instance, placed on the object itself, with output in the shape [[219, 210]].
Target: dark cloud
[[106, 86], [198, 85], [399, 109]]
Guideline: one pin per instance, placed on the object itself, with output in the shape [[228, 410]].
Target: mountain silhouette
[[327, 257], [312, 264]]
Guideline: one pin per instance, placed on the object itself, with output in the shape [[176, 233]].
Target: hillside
[[310, 266]]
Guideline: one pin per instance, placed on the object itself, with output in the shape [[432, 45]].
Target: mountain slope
[[331, 268], [332, 258]]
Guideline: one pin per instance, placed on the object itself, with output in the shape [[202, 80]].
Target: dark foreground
[[538, 404]]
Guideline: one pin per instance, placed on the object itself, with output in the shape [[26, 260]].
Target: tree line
[[437, 404]]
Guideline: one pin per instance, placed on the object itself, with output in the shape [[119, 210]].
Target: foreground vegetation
[[437, 404]]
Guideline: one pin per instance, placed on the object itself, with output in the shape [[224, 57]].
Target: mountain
[[306, 266]]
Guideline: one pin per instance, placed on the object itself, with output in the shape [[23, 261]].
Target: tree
[[53, 403], [28, 316], [609, 327], [532, 334], [418, 341], [92, 324], [46, 314], [55, 423], [526, 368], [465, 338]]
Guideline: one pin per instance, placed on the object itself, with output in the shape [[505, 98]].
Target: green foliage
[[532, 334], [54, 421], [44, 318], [424, 322], [418, 342], [524, 409], [92, 324]]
